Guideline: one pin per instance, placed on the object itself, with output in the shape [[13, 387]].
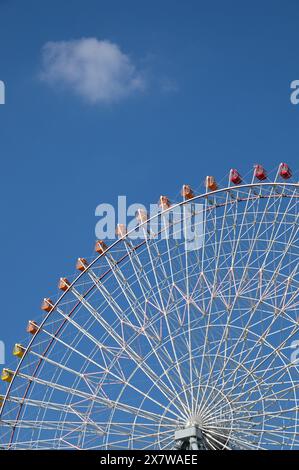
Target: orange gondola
[[32, 327], [141, 215], [100, 247], [164, 202], [187, 192], [211, 183], [47, 305], [81, 264], [121, 231], [63, 284]]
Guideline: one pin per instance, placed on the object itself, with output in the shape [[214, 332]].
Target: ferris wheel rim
[[184, 202], [121, 239]]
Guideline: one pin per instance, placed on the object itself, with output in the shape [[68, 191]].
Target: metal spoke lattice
[[155, 346]]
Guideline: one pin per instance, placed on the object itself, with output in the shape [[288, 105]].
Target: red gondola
[[235, 177], [260, 172], [285, 171]]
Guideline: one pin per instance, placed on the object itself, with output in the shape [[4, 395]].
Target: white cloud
[[97, 71]]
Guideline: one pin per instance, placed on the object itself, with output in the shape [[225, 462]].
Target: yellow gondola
[[18, 350], [7, 375]]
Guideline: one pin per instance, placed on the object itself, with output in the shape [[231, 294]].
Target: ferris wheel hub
[[196, 420], [158, 344], [188, 438]]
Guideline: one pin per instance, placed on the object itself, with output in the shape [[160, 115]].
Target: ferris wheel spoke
[[181, 381], [274, 351], [263, 433], [51, 425], [236, 440], [232, 376], [144, 329], [250, 350], [214, 291], [239, 394], [125, 347], [164, 313], [271, 398], [129, 296], [140, 274], [143, 437], [102, 399], [121, 377], [152, 337], [75, 350]]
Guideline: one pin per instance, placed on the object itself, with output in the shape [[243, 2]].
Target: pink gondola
[[235, 177], [260, 172], [285, 171]]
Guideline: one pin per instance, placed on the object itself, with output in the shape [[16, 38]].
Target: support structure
[[189, 439]]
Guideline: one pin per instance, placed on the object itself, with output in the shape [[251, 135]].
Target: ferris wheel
[[152, 345]]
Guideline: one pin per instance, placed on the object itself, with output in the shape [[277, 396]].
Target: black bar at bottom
[[134, 459]]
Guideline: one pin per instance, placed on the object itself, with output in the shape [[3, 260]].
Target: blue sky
[[214, 94]]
